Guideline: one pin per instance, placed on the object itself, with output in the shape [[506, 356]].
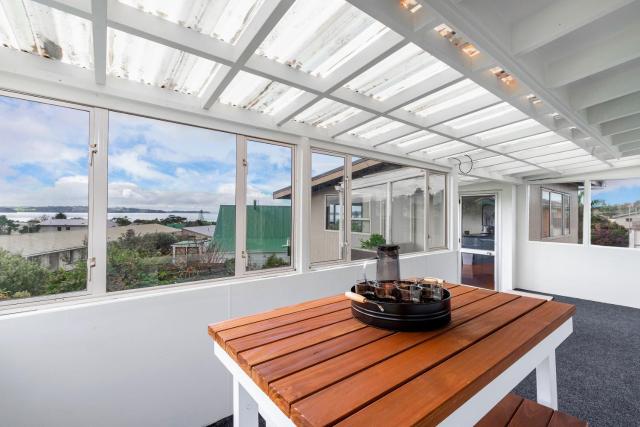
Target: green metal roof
[[268, 228]]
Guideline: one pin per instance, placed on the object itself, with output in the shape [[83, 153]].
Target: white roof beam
[[384, 47], [619, 48], [620, 125], [604, 87], [99, 27], [266, 18], [74, 7], [614, 109], [483, 38], [623, 138], [363, 117], [556, 20]]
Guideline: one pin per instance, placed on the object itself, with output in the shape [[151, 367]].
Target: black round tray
[[405, 316]]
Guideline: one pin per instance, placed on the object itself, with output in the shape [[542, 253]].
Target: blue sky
[[619, 191], [152, 164]]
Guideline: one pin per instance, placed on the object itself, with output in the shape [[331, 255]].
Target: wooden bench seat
[[515, 411]]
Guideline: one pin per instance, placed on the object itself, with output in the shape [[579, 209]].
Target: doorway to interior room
[[478, 240]]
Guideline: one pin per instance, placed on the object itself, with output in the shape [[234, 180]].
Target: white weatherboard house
[[228, 170]]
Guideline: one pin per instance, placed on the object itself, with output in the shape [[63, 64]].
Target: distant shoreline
[[84, 209]]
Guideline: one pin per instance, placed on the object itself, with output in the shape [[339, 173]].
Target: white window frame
[[563, 197]]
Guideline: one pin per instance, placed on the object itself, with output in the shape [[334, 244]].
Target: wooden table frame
[[249, 399]]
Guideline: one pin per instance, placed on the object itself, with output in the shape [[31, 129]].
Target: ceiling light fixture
[[505, 77], [448, 33], [411, 5], [534, 99]]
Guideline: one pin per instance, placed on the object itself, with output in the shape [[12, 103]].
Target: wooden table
[[313, 364]]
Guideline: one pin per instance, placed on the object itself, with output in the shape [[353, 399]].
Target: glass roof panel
[[376, 127], [509, 129], [31, 27], [256, 93], [449, 97], [326, 113], [444, 150], [137, 59], [403, 69], [224, 20], [317, 37], [481, 116]]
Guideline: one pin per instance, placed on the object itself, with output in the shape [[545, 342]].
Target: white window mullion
[[586, 211], [98, 195], [301, 202], [241, 205]]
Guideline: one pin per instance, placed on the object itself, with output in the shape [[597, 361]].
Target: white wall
[[146, 360], [610, 275]]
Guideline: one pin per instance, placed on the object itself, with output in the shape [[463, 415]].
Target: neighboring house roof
[[32, 244], [204, 230], [358, 168], [268, 228]]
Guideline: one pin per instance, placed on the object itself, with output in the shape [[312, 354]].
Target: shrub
[[373, 242], [18, 274]]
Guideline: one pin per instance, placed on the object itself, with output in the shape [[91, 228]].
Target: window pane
[[555, 213], [268, 205], [407, 213], [327, 195], [478, 222], [615, 213], [43, 198], [368, 220], [566, 220], [437, 211], [171, 203], [546, 214]]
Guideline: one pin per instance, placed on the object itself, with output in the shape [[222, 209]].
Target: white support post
[[547, 388], [245, 409], [586, 212], [303, 205]]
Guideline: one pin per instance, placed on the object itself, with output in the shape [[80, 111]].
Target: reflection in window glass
[[269, 180], [555, 212], [408, 214], [171, 203], [437, 211], [368, 226], [546, 214], [615, 213], [43, 198], [327, 199]]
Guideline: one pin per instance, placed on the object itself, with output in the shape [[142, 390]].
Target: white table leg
[[546, 382], [245, 409]]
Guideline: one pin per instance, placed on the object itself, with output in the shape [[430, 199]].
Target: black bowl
[[405, 316]]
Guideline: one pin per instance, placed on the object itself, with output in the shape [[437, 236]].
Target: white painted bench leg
[[546, 382], [245, 409]]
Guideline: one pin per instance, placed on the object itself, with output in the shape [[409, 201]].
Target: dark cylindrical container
[[388, 264]]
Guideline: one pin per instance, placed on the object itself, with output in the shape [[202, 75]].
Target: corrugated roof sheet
[[268, 228], [134, 58], [256, 93], [224, 20], [326, 113], [449, 98], [317, 37], [41, 30], [376, 127], [402, 70]]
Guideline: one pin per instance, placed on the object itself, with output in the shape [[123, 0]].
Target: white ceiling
[[365, 73]]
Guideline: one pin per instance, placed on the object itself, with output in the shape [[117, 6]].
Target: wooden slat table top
[[323, 367]]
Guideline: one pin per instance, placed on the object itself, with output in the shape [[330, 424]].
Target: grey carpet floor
[[598, 367]]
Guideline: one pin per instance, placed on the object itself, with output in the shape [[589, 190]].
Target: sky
[[152, 164], [618, 191]]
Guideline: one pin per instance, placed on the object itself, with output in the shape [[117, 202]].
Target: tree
[[122, 221], [7, 225], [60, 215], [18, 274]]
